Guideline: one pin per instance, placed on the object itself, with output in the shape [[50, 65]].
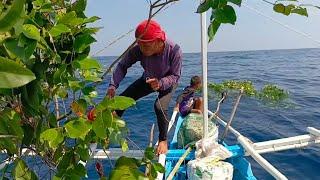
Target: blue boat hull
[[242, 168]]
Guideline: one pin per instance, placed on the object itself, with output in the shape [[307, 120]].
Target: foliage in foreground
[[45, 62]]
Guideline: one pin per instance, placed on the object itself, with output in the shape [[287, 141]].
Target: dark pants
[[139, 89]]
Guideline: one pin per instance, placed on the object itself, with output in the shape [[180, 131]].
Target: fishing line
[[163, 113], [282, 24]]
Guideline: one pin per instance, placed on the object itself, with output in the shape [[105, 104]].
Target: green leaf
[[12, 15], [22, 48], [125, 172], [13, 74], [101, 123], [82, 42], [60, 74], [66, 161], [93, 79], [83, 153], [237, 2], [115, 136], [28, 134], [62, 92], [212, 29], [78, 128], [10, 125], [288, 9], [153, 172], [91, 19], [58, 29], [70, 19], [158, 167], [300, 10], [79, 6], [87, 63], [76, 85], [18, 27], [280, 8], [291, 8], [7, 92], [121, 103], [29, 48], [14, 124], [225, 15], [149, 153], [22, 172], [124, 145], [88, 90], [126, 161], [13, 49], [9, 145], [47, 7], [79, 107], [80, 170], [32, 93], [116, 103], [205, 6], [54, 137], [91, 30], [56, 178], [31, 32], [1, 8]]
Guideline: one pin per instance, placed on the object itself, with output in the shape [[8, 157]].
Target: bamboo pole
[[225, 132], [176, 167], [150, 145]]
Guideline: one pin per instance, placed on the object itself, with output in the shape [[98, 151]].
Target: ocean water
[[297, 71]]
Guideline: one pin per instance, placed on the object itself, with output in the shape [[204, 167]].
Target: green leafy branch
[[222, 11], [269, 93]]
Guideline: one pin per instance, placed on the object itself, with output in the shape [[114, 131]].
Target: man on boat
[[187, 102], [161, 60]]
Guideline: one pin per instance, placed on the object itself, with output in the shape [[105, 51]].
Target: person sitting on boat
[[161, 60], [187, 102]]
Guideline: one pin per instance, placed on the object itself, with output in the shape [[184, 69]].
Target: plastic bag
[[209, 168], [210, 148], [191, 130]]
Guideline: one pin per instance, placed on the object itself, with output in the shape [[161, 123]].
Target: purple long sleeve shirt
[[165, 66]]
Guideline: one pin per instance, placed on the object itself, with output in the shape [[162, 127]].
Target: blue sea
[[297, 71]]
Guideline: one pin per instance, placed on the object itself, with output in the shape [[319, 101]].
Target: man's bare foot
[[162, 147]]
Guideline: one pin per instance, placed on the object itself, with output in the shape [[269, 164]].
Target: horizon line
[[253, 50]]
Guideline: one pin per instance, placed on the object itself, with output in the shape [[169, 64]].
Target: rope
[[282, 24], [113, 42], [158, 99], [124, 35]]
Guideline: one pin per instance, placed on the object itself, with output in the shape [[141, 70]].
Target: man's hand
[[154, 83], [162, 147], [111, 92], [176, 108]]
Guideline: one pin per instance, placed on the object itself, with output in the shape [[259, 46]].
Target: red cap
[[153, 32]]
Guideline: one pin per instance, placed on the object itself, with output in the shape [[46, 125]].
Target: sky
[[252, 30]]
